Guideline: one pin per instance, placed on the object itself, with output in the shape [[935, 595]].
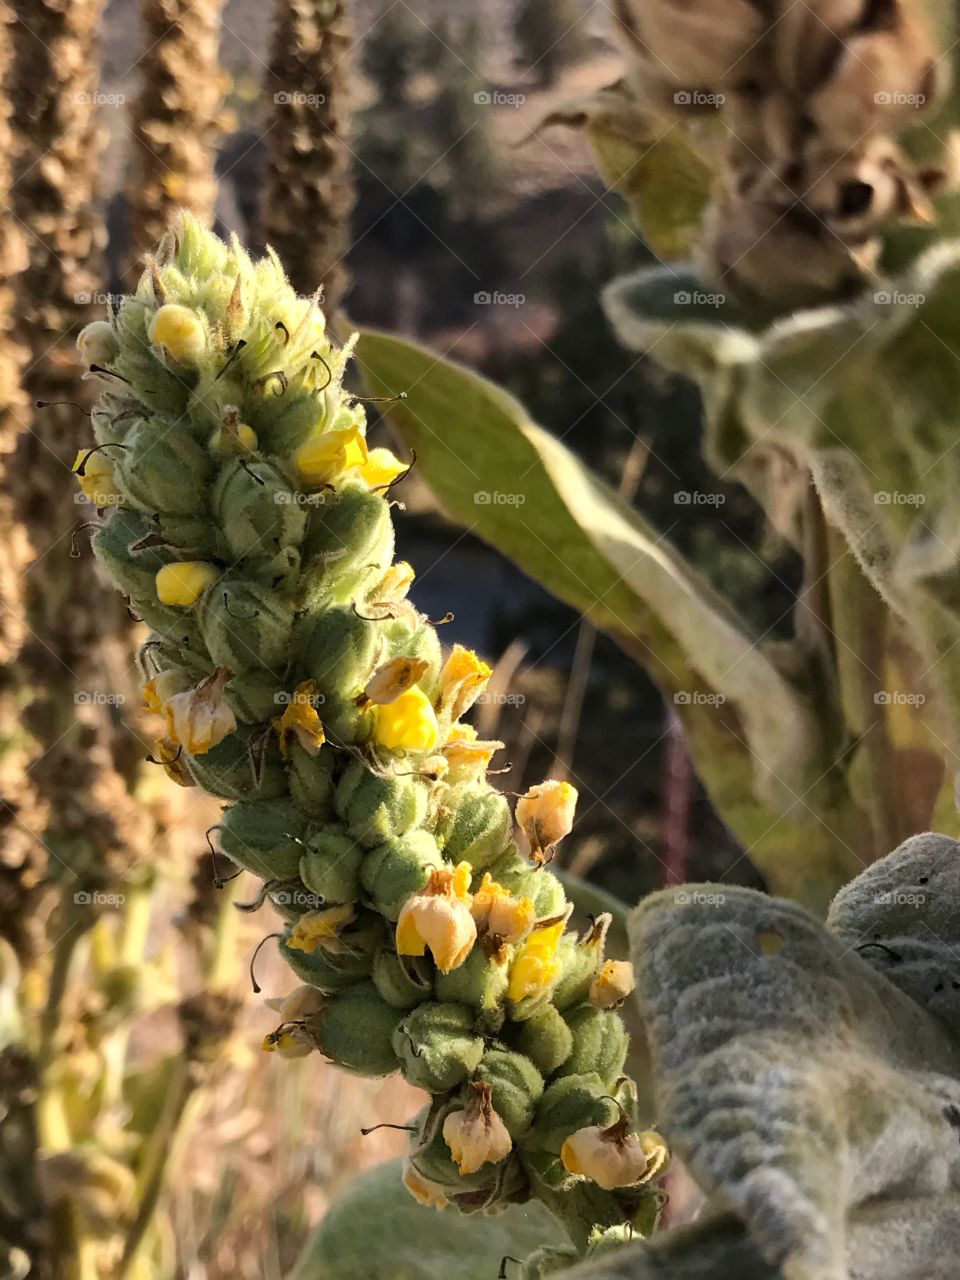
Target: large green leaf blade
[[378, 1230], [521, 489]]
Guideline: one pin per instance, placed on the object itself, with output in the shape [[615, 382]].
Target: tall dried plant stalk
[[308, 196], [177, 120], [91, 825]]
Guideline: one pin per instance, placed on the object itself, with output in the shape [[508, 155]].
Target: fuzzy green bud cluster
[[249, 525]]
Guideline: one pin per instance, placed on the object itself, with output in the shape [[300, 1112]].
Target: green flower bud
[[257, 509], [163, 471], [355, 1031], [474, 827], [600, 1043], [403, 981], [350, 533], [330, 865], [97, 343], [340, 652], [311, 781], [284, 422], [377, 808], [517, 1086], [265, 837], [395, 871], [246, 625], [525, 881], [545, 1039], [437, 1046], [569, 1104], [480, 981], [241, 767]]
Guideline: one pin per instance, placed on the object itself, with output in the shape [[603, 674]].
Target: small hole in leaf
[[770, 942]]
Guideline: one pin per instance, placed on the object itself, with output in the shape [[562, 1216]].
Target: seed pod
[[516, 1087], [256, 509], [437, 1046], [524, 881], [166, 472], [335, 970], [567, 1105], [242, 767], [253, 695], [432, 1161], [265, 837], [480, 982], [376, 809], [580, 960], [311, 782], [191, 537], [546, 1039], [330, 865], [351, 534], [475, 827], [134, 572], [600, 1044], [339, 652], [355, 1030], [396, 870], [403, 981], [246, 625]]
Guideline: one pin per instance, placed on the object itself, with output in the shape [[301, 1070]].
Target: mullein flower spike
[[252, 531], [815, 98]]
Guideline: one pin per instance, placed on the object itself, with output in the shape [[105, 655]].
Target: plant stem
[[156, 1158]]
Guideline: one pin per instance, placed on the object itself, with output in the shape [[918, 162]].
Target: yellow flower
[[232, 437], [160, 688], [535, 967], [545, 815], [425, 1192], [397, 581], [289, 1039], [612, 984], [301, 1002], [325, 457], [180, 331], [409, 723], [501, 919], [612, 1157], [322, 929], [199, 718], [381, 468], [394, 678], [439, 918], [97, 481], [97, 343], [170, 755], [467, 754], [477, 1136], [300, 720], [462, 680], [287, 1043], [184, 582]]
